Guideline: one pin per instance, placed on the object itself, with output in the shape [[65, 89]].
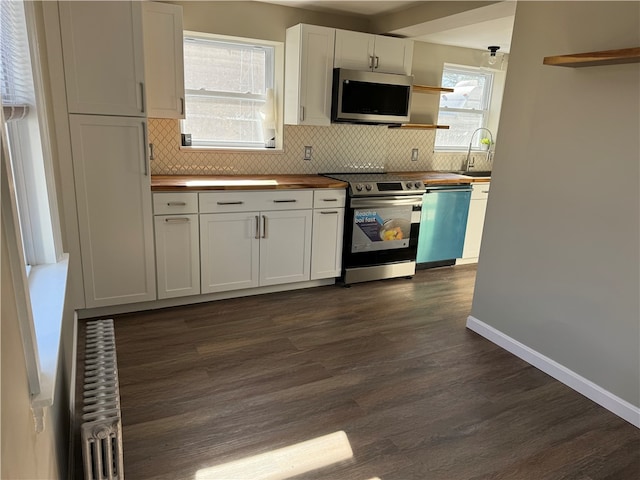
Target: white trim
[[207, 297], [602, 397]]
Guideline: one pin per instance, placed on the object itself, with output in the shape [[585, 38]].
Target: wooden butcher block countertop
[[173, 183], [160, 183]]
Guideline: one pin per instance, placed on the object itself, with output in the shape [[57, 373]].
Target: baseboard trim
[[602, 397]]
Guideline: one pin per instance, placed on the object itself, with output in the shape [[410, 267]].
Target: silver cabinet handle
[[230, 203], [485, 191], [329, 199], [142, 97], [377, 62], [257, 227], [177, 220], [176, 204], [302, 114], [264, 226], [152, 155], [370, 61], [285, 201], [144, 143], [181, 105], [329, 213]]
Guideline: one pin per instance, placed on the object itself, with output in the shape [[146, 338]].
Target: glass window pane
[[461, 127], [226, 120], [224, 67]]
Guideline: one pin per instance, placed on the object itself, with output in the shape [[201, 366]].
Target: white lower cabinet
[[229, 251], [328, 227], [177, 255], [267, 245], [475, 223]]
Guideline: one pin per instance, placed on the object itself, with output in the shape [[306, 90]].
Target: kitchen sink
[[474, 173]]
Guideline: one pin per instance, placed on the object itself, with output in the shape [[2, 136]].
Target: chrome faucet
[[467, 164]]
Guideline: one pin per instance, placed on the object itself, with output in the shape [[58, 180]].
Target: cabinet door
[[177, 255], [229, 251], [354, 50], [308, 75], [163, 59], [393, 55], [115, 220], [103, 57], [285, 246], [326, 245], [475, 221]]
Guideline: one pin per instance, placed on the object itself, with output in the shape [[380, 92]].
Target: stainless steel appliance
[[370, 97], [382, 221], [442, 228]]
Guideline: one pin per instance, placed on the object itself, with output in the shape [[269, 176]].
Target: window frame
[[484, 113], [274, 52]]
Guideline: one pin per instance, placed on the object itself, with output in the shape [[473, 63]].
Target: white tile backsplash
[[336, 148]]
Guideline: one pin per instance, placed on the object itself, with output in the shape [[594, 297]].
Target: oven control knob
[[418, 185], [409, 185], [368, 187], [359, 187]]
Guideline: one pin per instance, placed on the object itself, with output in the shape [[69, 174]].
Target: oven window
[[383, 228]]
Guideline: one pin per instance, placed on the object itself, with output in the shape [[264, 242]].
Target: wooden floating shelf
[[427, 89], [593, 59], [420, 126]]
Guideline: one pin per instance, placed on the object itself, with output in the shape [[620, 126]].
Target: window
[[27, 140], [229, 93], [465, 109]]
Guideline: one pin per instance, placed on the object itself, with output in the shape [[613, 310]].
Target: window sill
[[47, 289], [271, 151]]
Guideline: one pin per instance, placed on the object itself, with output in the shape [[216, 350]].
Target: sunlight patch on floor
[[284, 462]]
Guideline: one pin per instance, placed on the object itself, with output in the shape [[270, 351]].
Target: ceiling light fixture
[[492, 59]]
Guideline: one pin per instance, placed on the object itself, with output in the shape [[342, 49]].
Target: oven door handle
[[391, 201]]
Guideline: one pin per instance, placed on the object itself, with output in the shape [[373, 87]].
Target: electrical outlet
[[308, 150], [414, 155]]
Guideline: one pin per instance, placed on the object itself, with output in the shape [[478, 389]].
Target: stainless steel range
[[382, 221]]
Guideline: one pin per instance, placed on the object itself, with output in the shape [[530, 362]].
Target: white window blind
[[16, 87]]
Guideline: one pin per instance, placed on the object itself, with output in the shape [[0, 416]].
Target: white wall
[[559, 265]]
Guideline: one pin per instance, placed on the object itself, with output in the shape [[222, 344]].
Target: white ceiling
[[477, 28]]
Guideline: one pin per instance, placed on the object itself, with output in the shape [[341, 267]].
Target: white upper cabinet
[[308, 75], [163, 59], [363, 51], [103, 57]]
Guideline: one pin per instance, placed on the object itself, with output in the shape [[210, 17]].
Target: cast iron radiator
[[101, 430]]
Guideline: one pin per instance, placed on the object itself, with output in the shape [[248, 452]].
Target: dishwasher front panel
[[443, 224]]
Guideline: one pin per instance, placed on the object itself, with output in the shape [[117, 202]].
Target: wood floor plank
[[390, 363]]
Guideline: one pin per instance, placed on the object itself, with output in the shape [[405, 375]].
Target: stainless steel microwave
[[370, 97]]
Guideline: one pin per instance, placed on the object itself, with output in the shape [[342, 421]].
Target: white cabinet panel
[[475, 223], [114, 209], [163, 59], [364, 51], [229, 251], [103, 57], [285, 246], [308, 75], [326, 244], [177, 255]]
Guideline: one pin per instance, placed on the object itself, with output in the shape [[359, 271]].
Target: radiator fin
[[101, 430]]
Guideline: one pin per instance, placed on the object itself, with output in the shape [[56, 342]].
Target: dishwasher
[[443, 224]]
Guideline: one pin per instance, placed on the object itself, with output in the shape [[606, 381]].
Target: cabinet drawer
[[327, 198], [175, 203], [480, 191], [243, 201]]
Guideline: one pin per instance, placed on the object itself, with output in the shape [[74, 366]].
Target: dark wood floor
[[390, 363]]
